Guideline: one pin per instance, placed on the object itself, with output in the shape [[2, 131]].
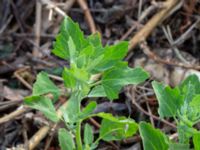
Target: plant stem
[[78, 136], [78, 126], [95, 84]]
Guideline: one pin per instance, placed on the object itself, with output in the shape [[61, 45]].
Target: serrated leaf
[[44, 105], [114, 79], [153, 139], [113, 128], [196, 141], [95, 57], [70, 41], [110, 56], [44, 85], [170, 100], [65, 140], [95, 40], [88, 135], [88, 110], [97, 91], [190, 87], [194, 80]]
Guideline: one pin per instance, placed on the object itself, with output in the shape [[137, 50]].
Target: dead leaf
[[13, 94]]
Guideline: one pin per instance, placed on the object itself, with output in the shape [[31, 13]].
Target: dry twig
[[51, 5], [168, 34], [16, 74], [152, 23], [14, 114], [35, 140], [88, 15], [156, 58], [36, 52]]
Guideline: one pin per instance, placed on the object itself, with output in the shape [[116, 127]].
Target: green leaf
[[107, 116], [79, 74], [179, 146], [88, 110], [88, 135], [196, 141], [192, 79], [113, 128], [69, 79], [44, 105], [195, 103], [193, 112], [73, 52], [70, 41], [111, 55], [190, 87], [65, 140], [44, 85], [170, 100], [71, 111], [97, 91], [84, 58], [185, 132], [95, 40], [190, 113], [114, 79], [153, 139], [76, 79], [61, 48]]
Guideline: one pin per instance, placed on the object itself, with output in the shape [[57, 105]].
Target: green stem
[[101, 137], [78, 126], [78, 136], [95, 83]]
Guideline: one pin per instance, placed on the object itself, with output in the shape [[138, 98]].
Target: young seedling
[[181, 103], [88, 59]]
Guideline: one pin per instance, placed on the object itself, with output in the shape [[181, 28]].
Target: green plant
[[88, 60], [181, 103], [97, 71]]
